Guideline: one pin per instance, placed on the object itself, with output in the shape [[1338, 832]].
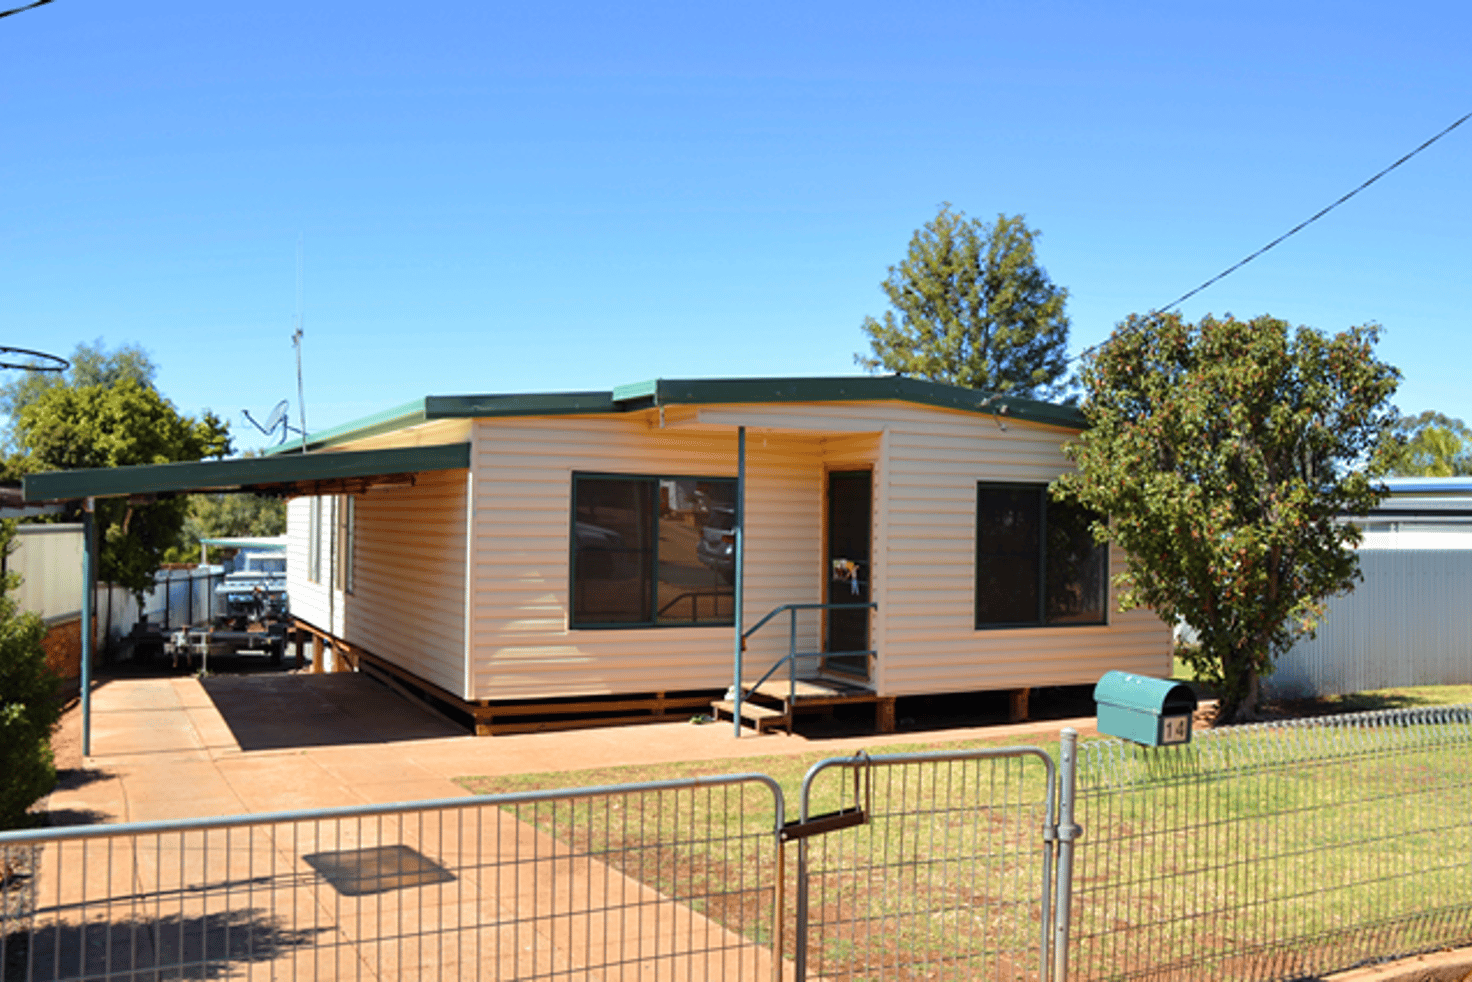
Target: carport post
[[89, 571], [739, 548]]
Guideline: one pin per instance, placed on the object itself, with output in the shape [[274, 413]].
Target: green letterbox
[[1154, 712]]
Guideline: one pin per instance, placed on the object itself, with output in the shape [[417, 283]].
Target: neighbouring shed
[[1409, 621]]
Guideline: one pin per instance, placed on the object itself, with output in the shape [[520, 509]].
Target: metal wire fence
[[948, 877], [664, 880], [1275, 851], [1271, 852]]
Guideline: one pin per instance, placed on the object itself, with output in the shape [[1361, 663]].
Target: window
[[652, 551], [314, 541], [344, 569], [1036, 561]]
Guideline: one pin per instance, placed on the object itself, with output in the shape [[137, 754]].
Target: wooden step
[[757, 715]]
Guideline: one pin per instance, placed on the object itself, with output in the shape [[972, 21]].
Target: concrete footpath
[[163, 748], [457, 891]]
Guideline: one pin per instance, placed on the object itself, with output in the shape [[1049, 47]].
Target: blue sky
[[551, 196]]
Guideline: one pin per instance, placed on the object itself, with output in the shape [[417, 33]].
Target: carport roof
[[283, 474]]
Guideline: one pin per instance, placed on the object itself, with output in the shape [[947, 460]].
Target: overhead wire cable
[[1315, 217], [1292, 231], [21, 10]]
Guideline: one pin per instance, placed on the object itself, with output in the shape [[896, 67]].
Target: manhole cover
[[354, 872]]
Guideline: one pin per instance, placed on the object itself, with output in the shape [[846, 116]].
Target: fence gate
[[926, 866]]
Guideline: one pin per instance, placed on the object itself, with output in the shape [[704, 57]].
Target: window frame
[[1042, 563], [652, 572], [314, 540], [343, 568]]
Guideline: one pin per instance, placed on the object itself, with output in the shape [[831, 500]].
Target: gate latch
[[856, 814]]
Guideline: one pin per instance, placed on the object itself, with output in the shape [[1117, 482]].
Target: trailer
[[250, 614]]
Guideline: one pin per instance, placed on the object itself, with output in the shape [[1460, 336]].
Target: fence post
[[1067, 833]]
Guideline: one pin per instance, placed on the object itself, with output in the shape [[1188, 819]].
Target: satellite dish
[[277, 417]]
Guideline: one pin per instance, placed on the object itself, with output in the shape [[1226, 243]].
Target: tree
[[127, 423], [91, 364], [973, 308], [29, 707], [1222, 454], [214, 516], [1430, 445]]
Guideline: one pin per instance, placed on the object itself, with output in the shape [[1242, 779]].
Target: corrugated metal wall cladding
[[1409, 622]]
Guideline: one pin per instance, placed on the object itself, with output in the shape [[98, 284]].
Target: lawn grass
[[1253, 852]]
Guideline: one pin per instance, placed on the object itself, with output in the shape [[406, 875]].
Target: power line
[[1309, 221], [21, 10]]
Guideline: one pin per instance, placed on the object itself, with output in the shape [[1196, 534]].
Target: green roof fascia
[[864, 389], [241, 474], [657, 392], [526, 404], [409, 414]]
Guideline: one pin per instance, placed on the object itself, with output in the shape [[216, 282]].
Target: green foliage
[[91, 364], [1222, 453], [215, 516], [973, 308], [1430, 445], [121, 424], [29, 707]]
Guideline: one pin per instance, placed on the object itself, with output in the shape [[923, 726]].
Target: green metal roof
[[300, 473], [639, 396]]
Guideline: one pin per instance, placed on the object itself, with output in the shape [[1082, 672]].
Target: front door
[[848, 571]]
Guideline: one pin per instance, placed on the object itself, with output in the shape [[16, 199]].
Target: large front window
[[1036, 561], [652, 551]]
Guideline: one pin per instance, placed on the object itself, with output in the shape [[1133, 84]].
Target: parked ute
[[256, 590]]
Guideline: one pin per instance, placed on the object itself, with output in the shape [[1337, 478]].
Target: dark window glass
[[1076, 565], [697, 551], [613, 545], [1007, 525], [1036, 561], [650, 550]]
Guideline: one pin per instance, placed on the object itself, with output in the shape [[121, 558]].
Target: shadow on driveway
[[274, 712]]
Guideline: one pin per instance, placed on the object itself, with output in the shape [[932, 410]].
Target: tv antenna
[[48, 363], [275, 420], [296, 342]]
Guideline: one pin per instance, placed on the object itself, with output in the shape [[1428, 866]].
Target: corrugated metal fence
[[1407, 623], [1271, 852]]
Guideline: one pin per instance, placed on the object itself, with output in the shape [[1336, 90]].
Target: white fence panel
[[49, 561], [1408, 623]]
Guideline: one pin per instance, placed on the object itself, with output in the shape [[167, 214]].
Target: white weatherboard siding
[[309, 600], [523, 647], [925, 551], [933, 462], [408, 598], [926, 465]]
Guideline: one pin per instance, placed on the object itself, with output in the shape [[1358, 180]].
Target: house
[[543, 556]]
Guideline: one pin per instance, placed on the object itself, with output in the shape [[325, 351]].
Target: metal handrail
[[694, 597], [791, 657]]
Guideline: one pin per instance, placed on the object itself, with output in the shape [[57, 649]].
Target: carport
[[283, 476]]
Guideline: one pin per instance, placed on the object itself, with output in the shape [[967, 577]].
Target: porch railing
[[790, 659]]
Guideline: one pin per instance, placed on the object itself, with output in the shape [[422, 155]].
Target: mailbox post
[[1153, 712]]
